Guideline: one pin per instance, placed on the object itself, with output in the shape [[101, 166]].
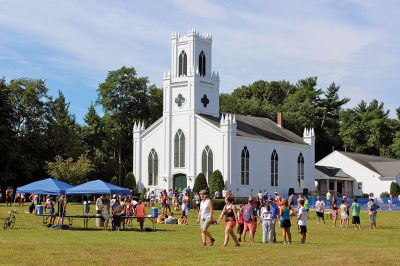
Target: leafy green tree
[[130, 182], [200, 183], [114, 181], [27, 144], [63, 136], [217, 182], [155, 103], [68, 170], [124, 98], [394, 189]]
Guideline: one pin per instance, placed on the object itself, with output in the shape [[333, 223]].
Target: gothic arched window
[[182, 64], [153, 168], [202, 64], [244, 178], [207, 163], [300, 170], [179, 149], [274, 169]]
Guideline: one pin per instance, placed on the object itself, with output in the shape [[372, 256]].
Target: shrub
[[218, 204], [114, 181], [291, 191], [143, 194], [200, 183], [130, 182], [305, 191], [394, 189], [385, 194], [217, 183]]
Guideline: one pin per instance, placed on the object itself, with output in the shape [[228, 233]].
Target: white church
[[193, 137]]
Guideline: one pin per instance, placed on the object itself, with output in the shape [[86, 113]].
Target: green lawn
[[31, 243]]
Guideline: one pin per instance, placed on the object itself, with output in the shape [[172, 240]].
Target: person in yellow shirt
[[328, 198]]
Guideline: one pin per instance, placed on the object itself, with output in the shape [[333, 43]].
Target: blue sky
[[73, 44]]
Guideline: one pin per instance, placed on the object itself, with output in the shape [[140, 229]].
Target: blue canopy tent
[[47, 186], [97, 187]]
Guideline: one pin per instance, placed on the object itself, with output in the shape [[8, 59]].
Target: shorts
[[355, 220], [230, 224], [372, 218], [320, 214], [250, 226], [205, 223], [286, 223], [334, 213], [302, 229], [344, 216], [240, 229]]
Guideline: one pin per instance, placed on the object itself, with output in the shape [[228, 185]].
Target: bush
[[130, 182], [313, 193], [305, 191], [291, 191], [217, 183], [143, 194], [363, 195], [394, 189], [385, 194], [200, 183], [218, 204], [114, 181]]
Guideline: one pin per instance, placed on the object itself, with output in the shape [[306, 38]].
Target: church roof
[[386, 167], [260, 128]]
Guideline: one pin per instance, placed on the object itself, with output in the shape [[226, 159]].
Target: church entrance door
[[180, 181]]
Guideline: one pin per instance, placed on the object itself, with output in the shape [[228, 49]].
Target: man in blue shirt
[[274, 213], [265, 198]]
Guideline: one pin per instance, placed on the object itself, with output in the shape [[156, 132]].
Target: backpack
[[247, 211]]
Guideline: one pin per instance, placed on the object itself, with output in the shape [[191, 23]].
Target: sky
[[72, 44]]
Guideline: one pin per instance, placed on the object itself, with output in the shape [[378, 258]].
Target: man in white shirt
[[302, 221], [320, 208], [99, 204]]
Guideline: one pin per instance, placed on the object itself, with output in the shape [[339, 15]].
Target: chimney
[[279, 120]]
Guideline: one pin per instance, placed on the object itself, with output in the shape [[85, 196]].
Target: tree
[[394, 189], [130, 182], [68, 170], [124, 98], [155, 103], [217, 182], [200, 183], [114, 181]]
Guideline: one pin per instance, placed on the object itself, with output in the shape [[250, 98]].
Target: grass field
[[31, 243]]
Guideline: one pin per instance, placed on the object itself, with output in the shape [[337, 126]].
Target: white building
[[351, 173], [193, 137]]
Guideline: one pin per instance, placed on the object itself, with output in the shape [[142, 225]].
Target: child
[[355, 213], [302, 221], [372, 211], [106, 214]]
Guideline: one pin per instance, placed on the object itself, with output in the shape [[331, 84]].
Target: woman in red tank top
[[140, 213]]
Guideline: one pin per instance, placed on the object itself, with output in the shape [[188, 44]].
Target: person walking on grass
[[250, 220], [335, 213], [284, 217], [230, 214], [355, 213], [320, 208], [344, 218], [302, 221], [372, 211], [240, 222], [205, 217]]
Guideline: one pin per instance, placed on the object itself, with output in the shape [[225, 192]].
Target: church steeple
[[191, 84]]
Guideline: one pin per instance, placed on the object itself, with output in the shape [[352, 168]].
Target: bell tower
[[191, 85]]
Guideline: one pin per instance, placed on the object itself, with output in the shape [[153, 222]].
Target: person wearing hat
[[205, 217]]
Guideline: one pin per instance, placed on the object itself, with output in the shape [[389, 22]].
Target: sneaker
[[212, 240]]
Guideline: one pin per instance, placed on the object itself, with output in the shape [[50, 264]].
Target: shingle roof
[[259, 127], [331, 171], [386, 167]]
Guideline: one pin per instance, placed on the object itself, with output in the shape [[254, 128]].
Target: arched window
[[300, 170], [182, 64], [153, 168], [244, 178], [179, 149], [207, 163], [202, 64], [274, 169]]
